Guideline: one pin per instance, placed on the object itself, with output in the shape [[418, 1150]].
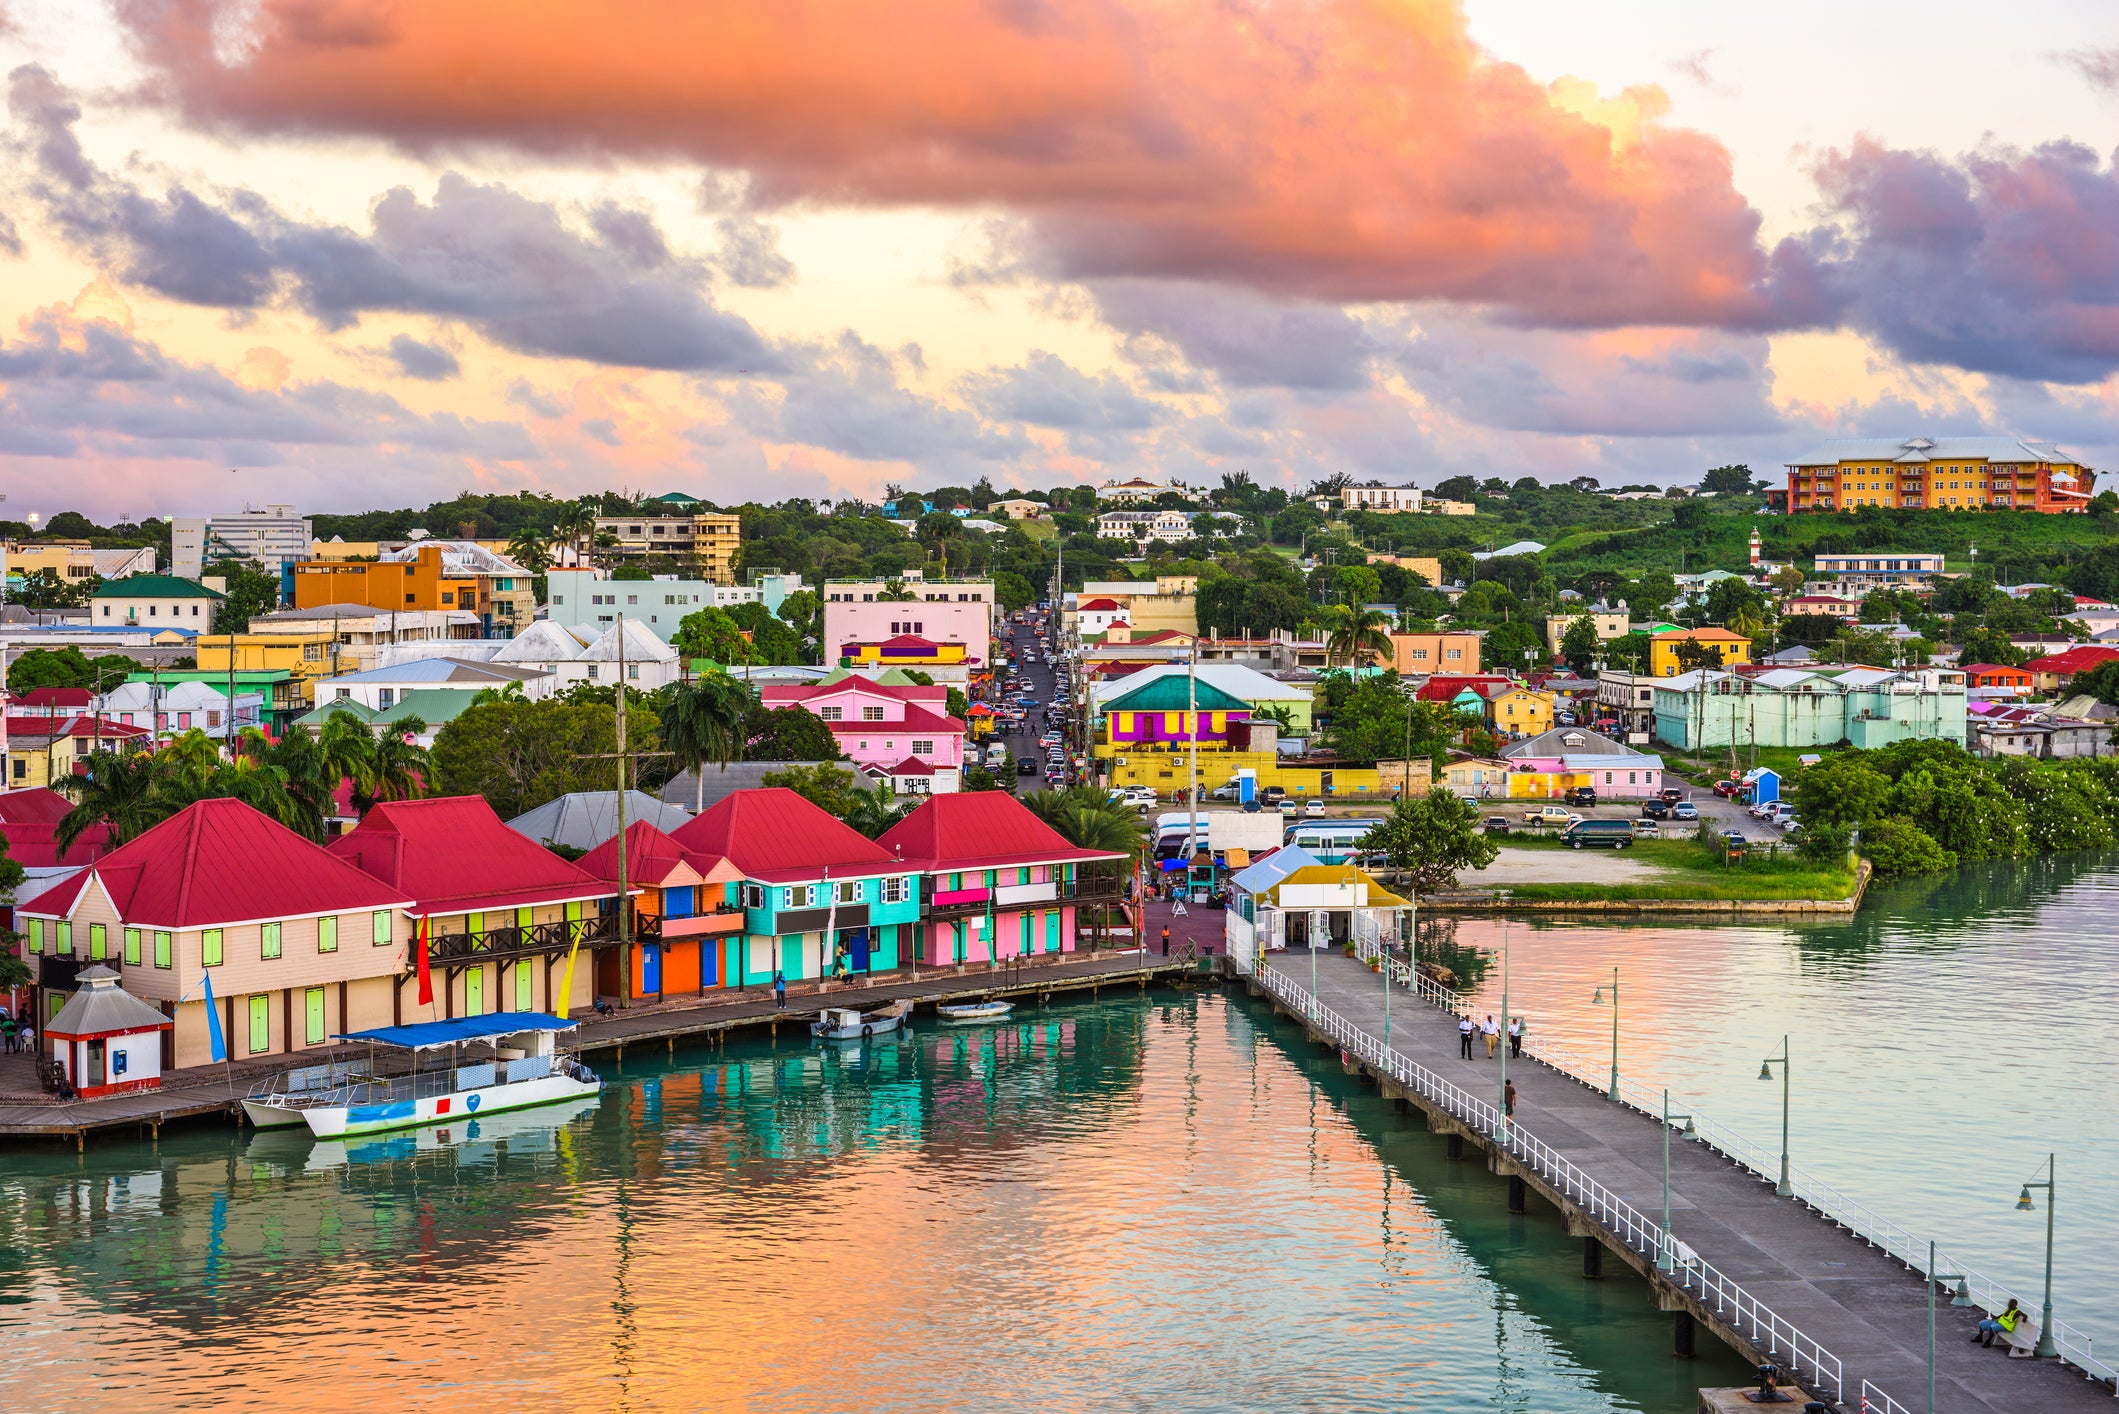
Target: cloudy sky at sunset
[[370, 252]]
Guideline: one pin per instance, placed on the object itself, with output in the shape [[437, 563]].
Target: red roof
[[30, 818], [777, 836], [79, 697], [983, 829], [219, 862], [1442, 688], [106, 728], [2079, 659], [1096, 606], [911, 766], [1991, 669], [651, 857], [916, 719], [454, 855], [796, 694]]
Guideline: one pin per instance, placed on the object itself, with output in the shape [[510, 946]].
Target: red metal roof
[[1443, 688], [79, 697], [983, 829], [797, 694], [916, 719], [104, 728], [777, 836], [651, 857], [30, 818], [1096, 606], [454, 855], [219, 862], [2079, 659]]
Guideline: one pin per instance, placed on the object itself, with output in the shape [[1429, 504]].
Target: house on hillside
[[997, 882], [296, 945], [817, 895], [499, 915]]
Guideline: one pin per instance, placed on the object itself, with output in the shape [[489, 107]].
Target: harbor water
[[1163, 1202]]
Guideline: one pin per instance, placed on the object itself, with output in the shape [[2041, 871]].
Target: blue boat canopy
[[421, 1035]]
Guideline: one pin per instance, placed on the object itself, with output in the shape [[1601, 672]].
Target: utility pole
[[1192, 768], [625, 897]]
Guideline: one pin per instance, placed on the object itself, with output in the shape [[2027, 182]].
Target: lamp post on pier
[[1666, 1261], [1501, 1132], [2046, 1345], [1934, 1277], [1599, 997], [1765, 1072]]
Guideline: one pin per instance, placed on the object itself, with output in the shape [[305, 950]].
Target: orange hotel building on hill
[[1939, 473]]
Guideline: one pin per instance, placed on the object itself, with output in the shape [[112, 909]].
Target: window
[[632, 670], [893, 891], [269, 941], [36, 935], [593, 672], [787, 897], [871, 714], [923, 748], [380, 924], [850, 891], [210, 948], [132, 947], [162, 949], [753, 896], [559, 598]]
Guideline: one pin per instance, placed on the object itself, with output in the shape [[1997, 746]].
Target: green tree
[[66, 667], [1513, 647], [1691, 655], [1842, 789], [827, 787], [771, 640], [518, 754], [787, 734], [1984, 645], [1430, 838], [803, 612], [530, 547], [876, 809], [1579, 644], [1895, 849], [1651, 595], [47, 589], [704, 720], [252, 590], [1370, 717], [123, 791], [1357, 637], [710, 633], [1088, 818], [1727, 481]]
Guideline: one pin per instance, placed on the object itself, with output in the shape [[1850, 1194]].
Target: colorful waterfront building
[[295, 945], [687, 910], [106, 1040], [995, 881], [817, 895], [1168, 709], [901, 732], [499, 914]]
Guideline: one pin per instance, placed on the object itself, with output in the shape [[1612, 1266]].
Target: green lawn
[[1692, 873]]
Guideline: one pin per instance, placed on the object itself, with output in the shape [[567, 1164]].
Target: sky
[[361, 253]]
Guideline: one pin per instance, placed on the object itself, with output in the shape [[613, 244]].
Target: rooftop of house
[[586, 819], [433, 670], [154, 586], [220, 862], [452, 854], [655, 860], [777, 836], [985, 829]]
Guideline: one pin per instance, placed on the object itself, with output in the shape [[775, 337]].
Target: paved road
[[1023, 741], [1851, 1298]]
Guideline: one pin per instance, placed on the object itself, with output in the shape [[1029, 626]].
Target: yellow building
[[1940, 473], [1610, 624], [1519, 711], [1663, 648], [305, 656], [1426, 566], [705, 543], [1164, 772]]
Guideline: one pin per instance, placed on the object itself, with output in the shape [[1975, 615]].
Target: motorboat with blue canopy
[[505, 1061]]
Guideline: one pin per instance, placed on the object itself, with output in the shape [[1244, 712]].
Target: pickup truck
[[1553, 816]]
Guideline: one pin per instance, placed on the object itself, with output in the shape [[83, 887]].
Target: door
[[958, 930], [313, 1016], [475, 992], [651, 970], [1026, 946], [524, 1001], [1052, 931], [857, 948], [95, 1064], [260, 1026]]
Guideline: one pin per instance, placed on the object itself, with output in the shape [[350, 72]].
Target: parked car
[[1736, 839], [1555, 815], [1594, 834], [1655, 809], [1024, 766], [1646, 829], [1728, 790], [1684, 810], [1582, 796], [1673, 794], [1275, 794], [1497, 824], [1313, 807], [1224, 792]]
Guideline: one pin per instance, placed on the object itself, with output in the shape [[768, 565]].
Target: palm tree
[[702, 722], [511, 693], [1089, 819], [348, 746], [528, 547], [1357, 635], [876, 809], [121, 791], [403, 769]]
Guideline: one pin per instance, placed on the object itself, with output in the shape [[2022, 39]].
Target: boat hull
[[339, 1121], [265, 1115], [866, 1031], [970, 1015]]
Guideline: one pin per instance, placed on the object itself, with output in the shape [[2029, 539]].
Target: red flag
[[426, 978]]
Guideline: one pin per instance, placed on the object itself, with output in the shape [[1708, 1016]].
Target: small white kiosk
[[105, 1039]]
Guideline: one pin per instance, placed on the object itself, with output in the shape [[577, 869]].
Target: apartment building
[[705, 543], [1386, 499], [431, 575], [1880, 569], [1433, 653], [1939, 473], [590, 599], [273, 536], [1610, 624]]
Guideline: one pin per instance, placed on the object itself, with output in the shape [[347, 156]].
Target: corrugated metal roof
[[984, 829], [1932, 449], [454, 855], [586, 819], [100, 1007], [777, 836]]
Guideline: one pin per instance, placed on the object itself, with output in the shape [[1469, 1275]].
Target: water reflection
[[1145, 1202]]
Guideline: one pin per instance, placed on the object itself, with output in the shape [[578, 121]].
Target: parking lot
[[1721, 814]]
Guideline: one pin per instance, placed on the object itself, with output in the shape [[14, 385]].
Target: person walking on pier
[[1515, 1038], [1492, 1032], [779, 990], [1508, 1099], [1464, 1035]]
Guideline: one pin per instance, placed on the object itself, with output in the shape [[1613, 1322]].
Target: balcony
[[506, 944], [1091, 885], [698, 925]]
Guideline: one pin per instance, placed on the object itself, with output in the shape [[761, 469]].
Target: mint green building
[[1798, 707]]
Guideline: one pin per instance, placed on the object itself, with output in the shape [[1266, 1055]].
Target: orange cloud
[[1344, 149]]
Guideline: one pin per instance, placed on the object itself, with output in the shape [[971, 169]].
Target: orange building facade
[[385, 584]]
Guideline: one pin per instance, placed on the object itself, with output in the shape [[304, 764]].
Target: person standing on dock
[[1464, 1035], [1508, 1100], [1492, 1031], [779, 990]]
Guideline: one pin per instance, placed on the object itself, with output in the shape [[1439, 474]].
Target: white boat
[[850, 1024], [520, 1066], [963, 1013]]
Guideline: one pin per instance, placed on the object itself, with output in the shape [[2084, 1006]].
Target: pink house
[[1587, 758], [897, 733], [997, 882]]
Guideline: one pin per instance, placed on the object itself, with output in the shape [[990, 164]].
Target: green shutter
[[36, 935], [132, 947], [64, 943], [98, 942], [327, 933], [260, 1024], [313, 1014], [269, 941], [210, 948], [381, 924], [162, 949], [522, 918], [523, 1000]]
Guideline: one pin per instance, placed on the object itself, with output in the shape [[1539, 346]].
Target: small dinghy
[[849, 1024], [965, 1012]]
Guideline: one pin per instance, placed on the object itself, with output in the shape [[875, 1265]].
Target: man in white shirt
[[1464, 1035], [1492, 1033]]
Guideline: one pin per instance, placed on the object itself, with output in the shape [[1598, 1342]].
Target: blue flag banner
[[213, 1022]]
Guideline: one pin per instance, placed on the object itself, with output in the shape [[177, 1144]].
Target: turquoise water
[[1156, 1203], [1946, 1038]]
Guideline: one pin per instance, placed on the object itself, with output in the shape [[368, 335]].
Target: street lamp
[[1959, 1300], [1501, 1134], [2045, 1345], [1599, 1000], [1765, 1072], [1666, 1261]]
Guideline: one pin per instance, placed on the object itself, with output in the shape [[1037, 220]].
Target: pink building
[[1588, 758], [996, 881], [897, 733], [947, 641]]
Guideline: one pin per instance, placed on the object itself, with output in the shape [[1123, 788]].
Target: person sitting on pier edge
[[1464, 1035], [2003, 1324]]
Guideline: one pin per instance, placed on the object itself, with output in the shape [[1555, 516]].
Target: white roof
[[1865, 677], [1521, 547], [641, 645], [1630, 761], [1784, 678], [1915, 450], [543, 642], [1232, 678], [460, 557]]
